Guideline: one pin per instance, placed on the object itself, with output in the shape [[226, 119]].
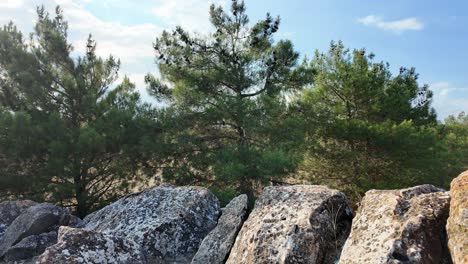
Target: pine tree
[[68, 134], [227, 92], [367, 128]]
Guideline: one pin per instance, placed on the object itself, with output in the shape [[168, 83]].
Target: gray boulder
[[31, 246], [168, 222], [84, 246], [9, 210], [399, 226], [37, 219], [217, 244], [294, 224]]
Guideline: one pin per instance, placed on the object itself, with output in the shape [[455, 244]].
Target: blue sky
[[429, 35]]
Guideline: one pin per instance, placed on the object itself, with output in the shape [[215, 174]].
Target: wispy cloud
[[396, 26], [449, 99], [190, 14], [11, 3]]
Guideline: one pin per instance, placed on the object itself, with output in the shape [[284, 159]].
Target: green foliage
[[454, 156], [237, 111], [67, 133], [227, 92], [367, 128]]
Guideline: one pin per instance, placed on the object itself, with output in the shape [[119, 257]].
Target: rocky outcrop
[[217, 244], [31, 246], [9, 210], [294, 224], [399, 226], [84, 246], [168, 222], [35, 220], [457, 224]]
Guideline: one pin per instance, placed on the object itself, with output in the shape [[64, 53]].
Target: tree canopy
[[234, 110], [66, 134]]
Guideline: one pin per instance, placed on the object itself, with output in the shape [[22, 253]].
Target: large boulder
[[168, 222], [457, 224], [217, 244], [84, 246], [9, 210], [30, 246], [294, 224], [399, 226], [37, 219]]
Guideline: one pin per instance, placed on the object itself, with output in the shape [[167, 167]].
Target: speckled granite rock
[[168, 222], [84, 246], [294, 224], [30, 246], [457, 224], [37, 219], [9, 210], [215, 247], [399, 226]]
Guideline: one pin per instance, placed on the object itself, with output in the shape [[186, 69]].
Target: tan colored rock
[[294, 224], [457, 224], [399, 226]]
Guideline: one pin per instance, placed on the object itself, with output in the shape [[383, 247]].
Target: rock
[[294, 224], [31, 246], [399, 226], [217, 244], [457, 224], [37, 219], [9, 210], [84, 246], [168, 222]]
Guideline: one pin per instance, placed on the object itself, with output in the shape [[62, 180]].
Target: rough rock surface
[[457, 224], [31, 246], [294, 224], [9, 210], [84, 246], [217, 244], [37, 219], [399, 226], [168, 222]]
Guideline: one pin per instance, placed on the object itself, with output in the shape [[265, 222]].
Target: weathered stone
[[84, 246], [217, 244], [399, 226], [37, 219], [457, 224], [168, 222], [31, 246], [9, 210], [294, 224]]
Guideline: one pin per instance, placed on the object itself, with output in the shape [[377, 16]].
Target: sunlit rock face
[[168, 222], [457, 224], [294, 224], [399, 226]]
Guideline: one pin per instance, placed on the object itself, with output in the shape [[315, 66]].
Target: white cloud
[[129, 43], [449, 99], [396, 26], [11, 4], [190, 14]]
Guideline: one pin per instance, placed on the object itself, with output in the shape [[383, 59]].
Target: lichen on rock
[[399, 226], [457, 223], [168, 222], [294, 224]]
